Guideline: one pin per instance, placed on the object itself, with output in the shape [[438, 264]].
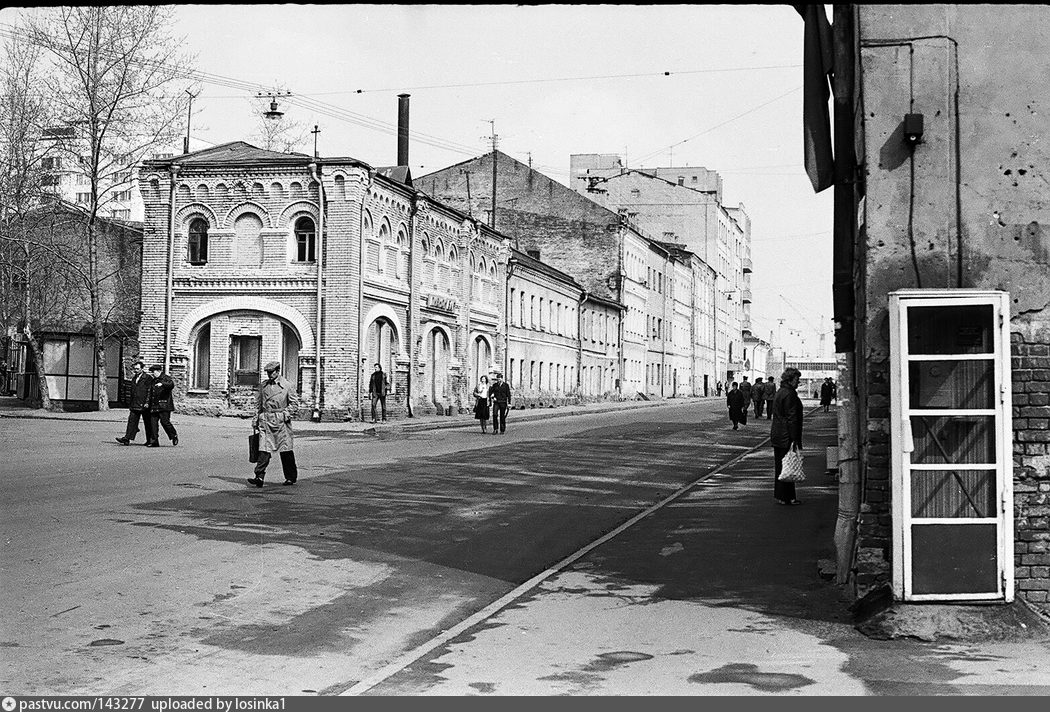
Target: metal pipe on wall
[[319, 239], [168, 288]]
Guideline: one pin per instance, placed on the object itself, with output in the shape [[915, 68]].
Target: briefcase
[[253, 447]]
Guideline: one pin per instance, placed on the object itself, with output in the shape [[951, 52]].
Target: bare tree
[[276, 134], [117, 80], [25, 267]]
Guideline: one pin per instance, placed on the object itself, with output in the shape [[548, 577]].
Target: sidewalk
[[11, 407]]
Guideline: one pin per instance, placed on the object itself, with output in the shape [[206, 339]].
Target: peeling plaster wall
[[967, 208]]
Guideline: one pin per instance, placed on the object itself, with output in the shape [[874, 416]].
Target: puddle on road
[[748, 674]]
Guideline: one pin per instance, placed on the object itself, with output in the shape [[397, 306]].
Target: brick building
[[940, 296], [603, 251], [259, 272], [61, 302]]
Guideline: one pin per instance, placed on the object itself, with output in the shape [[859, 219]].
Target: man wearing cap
[[160, 406], [276, 405], [139, 405], [499, 394]]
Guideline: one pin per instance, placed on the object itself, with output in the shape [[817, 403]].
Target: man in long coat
[[139, 405], [161, 404], [276, 405], [737, 405]]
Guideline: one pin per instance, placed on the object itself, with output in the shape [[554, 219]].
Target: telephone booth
[[951, 450]]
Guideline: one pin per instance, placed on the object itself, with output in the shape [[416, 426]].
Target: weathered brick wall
[[974, 210], [1031, 459]]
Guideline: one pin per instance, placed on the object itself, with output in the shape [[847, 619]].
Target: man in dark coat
[[785, 432], [737, 405], [769, 391], [827, 393], [139, 406], [161, 404], [758, 396], [378, 387], [745, 388], [499, 394]]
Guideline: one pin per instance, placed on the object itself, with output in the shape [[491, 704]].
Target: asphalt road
[[431, 562]]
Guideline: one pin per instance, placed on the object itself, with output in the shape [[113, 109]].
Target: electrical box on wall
[[952, 456]]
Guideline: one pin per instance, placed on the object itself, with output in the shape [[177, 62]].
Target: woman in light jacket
[[785, 431], [481, 401]]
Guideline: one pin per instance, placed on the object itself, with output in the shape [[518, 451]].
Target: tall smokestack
[[402, 129]]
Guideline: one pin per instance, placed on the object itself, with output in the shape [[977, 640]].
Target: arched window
[[402, 253], [197, 246], [492, 283], [202, 358], [305, 240], [454, 269], [428, 262]]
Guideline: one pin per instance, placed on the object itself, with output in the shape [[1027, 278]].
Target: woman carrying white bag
[[785, 435]]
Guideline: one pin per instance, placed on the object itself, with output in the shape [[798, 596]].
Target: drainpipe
[[579, 342], [361, 294], [316, 415], [410, 319], [511, 264], [849, 471], [170, 268]]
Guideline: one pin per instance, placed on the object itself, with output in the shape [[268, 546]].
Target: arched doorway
[[437, 350], [381, 346], [482, 357]]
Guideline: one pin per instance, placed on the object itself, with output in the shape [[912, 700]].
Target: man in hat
[[160, 406], [499, 394], [276, 405], [378, 387], [139, 405]]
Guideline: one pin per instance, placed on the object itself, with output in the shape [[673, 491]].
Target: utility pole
[[189, 118], [315, 132], [495, 143]]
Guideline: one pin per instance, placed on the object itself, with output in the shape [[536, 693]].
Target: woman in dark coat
[[827, 392], [737, 405], [785, 431], [481, 401]]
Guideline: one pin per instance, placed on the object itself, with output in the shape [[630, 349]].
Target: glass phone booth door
[[951, 445]]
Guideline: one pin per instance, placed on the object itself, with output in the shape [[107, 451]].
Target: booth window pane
[[968, 494], [954, 558], [56, 357], [953, 439], [965, 329], [81, 357], [952, 384], [80, 388], [56, 387]]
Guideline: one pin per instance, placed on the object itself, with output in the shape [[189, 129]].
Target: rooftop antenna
[[189, 118]]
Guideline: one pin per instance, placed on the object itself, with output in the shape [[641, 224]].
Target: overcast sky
[[557, 80]]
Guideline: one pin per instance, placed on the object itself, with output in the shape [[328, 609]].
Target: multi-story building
[[693, 217], [68, 177], [327, 265], [600, 248]]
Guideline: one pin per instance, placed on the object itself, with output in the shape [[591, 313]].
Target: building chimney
[[533, 253], [402, 129]]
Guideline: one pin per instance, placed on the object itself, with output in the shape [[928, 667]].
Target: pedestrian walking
[[758, 396], [378, 387], [737, 406], [827, 392], [769, 390], [499, 395], [161, 404], [481, 402], [745, 388], [3, 377], [785, 432], [276, 405], [139, 405], [718, 388]]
